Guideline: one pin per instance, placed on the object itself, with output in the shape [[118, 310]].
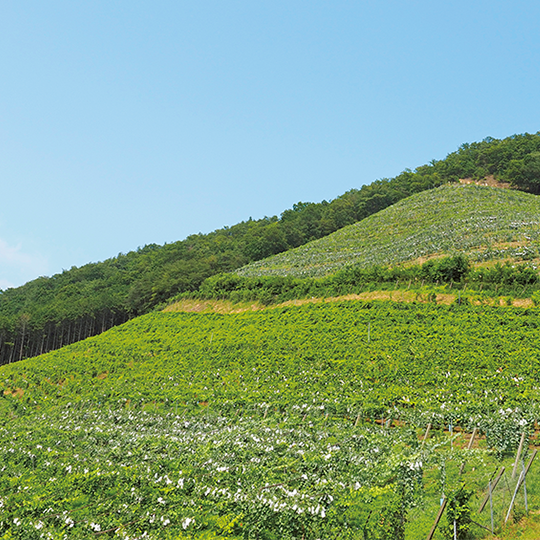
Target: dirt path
[[402, 295]]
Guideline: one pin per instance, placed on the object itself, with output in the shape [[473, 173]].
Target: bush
[[459, 510], [446, 269]]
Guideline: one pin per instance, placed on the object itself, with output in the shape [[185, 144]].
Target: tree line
[[49, 312]]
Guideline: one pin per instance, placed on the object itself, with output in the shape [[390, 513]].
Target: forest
[[50, 312]]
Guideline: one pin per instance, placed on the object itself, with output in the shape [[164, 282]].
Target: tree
[[525, 173]]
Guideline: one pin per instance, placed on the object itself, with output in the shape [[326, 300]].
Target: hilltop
[[482, 223]]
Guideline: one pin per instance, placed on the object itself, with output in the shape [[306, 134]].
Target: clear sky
[[128, 122]]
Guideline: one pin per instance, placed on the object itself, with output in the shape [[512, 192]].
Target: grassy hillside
[[482, 222], [287, 356], [293, 422]]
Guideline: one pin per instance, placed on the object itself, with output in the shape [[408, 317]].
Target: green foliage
[[506, 274], [459, 511], [344, 357], [454, 272], [179, 425], [447, 269], [525, 172], [204, 475]]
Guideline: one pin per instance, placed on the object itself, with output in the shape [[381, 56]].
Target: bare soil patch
[[14, 392], [400, 295], [487, 181], [212, 306]]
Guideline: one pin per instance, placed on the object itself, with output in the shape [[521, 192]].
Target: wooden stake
[[524, 488], [469, 446], [426, 434], [520, 448], [493, 486], [518, 485], [491, 505], [471, 440], [437, 519], [357, 420]]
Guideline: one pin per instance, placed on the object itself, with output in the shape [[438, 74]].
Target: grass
[[484, 223]]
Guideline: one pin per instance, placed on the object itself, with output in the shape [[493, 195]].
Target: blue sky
[[125, 122]]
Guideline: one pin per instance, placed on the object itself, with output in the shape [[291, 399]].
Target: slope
[[288, 355], [480, 222], [294, 422]]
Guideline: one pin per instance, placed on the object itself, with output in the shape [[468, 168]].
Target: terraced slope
[[482, 222], [269, 424], [343, 356]]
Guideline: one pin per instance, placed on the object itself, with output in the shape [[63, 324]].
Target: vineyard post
[[520, 448], [437, 519], [491, 505], [469, 446], [524, 486], [426, 434], [519, 482], [357, 420], [493, 485]]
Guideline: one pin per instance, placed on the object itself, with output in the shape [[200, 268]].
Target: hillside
[[50, 312], [293, 422], [346, 419], [482, 223], [268, 357]]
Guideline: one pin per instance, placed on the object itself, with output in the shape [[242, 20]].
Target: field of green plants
[[292, 422], [451, 219]]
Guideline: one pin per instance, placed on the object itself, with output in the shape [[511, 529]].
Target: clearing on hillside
[[482, 222]]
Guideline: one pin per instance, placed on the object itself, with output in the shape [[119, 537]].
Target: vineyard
[[292, 422], [480, 222]]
